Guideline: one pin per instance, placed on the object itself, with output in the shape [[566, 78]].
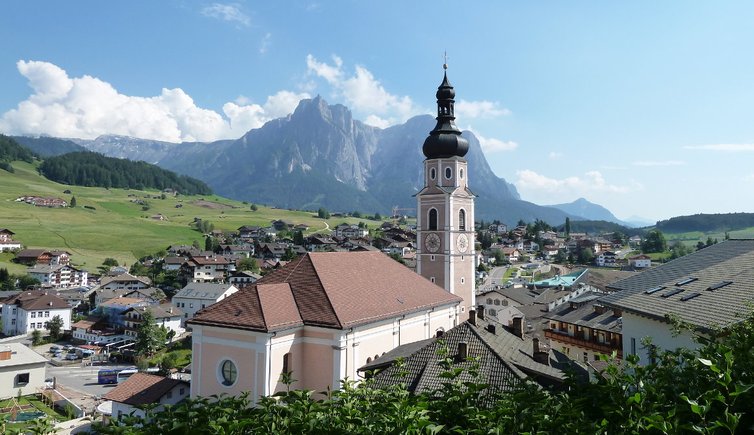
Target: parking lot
[[82, 377]]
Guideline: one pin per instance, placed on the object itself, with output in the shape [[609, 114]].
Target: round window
[[448, 173], [432, 173], [228, 372]]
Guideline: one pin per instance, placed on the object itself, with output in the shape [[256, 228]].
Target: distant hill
[[319, 156], [93, 169], [46, 146], [588, 211], [11, 150], [601, 227], [707, 223]]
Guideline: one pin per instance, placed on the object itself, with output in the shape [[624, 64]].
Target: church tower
[[445, 207]]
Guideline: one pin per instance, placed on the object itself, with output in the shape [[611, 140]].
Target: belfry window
[[433, 219], [448, 173], [462, 220]]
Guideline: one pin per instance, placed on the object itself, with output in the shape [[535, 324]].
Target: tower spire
[[445, 139]]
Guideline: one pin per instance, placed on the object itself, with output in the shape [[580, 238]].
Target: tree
[[567, 227], [149, 337], [72, 202], [110, 262], [249, 264], [298, 238], [377, 217], [55, 327], [288, 255], [254, 207], [654, 242], [168, 363], [26, 281], [36, 337], [586, 255], [322, 213]]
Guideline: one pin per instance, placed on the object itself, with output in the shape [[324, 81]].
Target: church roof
[[328, 289]]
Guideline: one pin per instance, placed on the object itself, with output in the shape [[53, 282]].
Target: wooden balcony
[[603, 348]]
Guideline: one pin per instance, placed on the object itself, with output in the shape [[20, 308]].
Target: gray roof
[[586, 315], [20, 355], [732, 260], [203, 290], [503, 360]]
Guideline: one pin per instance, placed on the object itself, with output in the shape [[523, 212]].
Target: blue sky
[[643, 107]]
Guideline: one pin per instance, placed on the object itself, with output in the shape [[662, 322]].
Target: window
[[204, 305], [33, 314], [433, 219], [489, 301], [228, 373], [633, 346], [14, 311], [497, 301], [432, 173], [185, 315], [191, 305], [493, 312], [47, 314], [12, 321], [586, 357], [463, 280], [505, 302], [448, 173], [169, 395], [369, 359], [287, 363], [461, 174], [432, 279], [182, 391], [462, 220], [32, 326]]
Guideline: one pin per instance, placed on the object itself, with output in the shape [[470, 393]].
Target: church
[[324, 315]]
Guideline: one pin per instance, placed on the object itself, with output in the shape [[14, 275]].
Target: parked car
[[54, 349], [71, 356]]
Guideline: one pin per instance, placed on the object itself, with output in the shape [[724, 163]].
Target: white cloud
[[227, 12], [576, 186], [659, 163], [554, 155], [86, 107], [492, 145], [265, 44], [479, 109], [726, 147]]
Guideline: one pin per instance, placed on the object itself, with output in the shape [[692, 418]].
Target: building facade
[[445, 207], [31, 310]]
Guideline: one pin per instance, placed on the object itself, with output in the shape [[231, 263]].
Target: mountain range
[[319, 156]]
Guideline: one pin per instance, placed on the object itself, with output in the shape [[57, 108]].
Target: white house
[[196, 296], [6, 240], [321, 316], [706, 289], [640, 261], [22, 371], [606, 259], [58, 275], [165, 315], [145, 389], [125, 281], [30, 310]]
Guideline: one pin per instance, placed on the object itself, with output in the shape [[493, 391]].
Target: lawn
[[36, 404], [116, 226]]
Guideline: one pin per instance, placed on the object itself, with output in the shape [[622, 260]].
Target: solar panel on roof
[[653, 290], [690, 296], [719, 285], [675, 291], [686, 281]]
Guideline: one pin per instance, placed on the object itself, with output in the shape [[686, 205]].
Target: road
[[82, 378]]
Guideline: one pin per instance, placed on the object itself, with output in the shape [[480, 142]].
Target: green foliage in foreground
[[704, 391]]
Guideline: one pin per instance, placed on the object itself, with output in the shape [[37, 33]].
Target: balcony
[[604, 348]]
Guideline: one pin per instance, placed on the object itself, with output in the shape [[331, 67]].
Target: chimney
[[463, 351], [518, 327], [541, 355], [472, 317], [480, 312], [5, 354], [599, 309], [440, 332], [491, 329]]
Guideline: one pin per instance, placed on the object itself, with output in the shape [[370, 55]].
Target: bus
[[107, 377], [125, 374]]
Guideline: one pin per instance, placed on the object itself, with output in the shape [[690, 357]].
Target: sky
[[643, 107]]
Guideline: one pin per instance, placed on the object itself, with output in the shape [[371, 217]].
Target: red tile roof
[[142, 389], [329, 289]]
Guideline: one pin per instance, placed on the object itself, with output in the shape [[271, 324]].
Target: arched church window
[[433, 219], [462, 220], [432, 173], [448, 173]]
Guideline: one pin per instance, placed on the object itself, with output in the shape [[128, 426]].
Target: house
[[22, 371], [584, 329], [240, 251], [350, 231], [151, 295], [707, 289], [145, 389], [58, 276], [634, 241], [207, 268], [640, 261], [243, 277], [31, 310], [511, 254], [502, 357], [96, 330], [320, 316], [6, 240], [114, 310], [498, 228], [196, 296], [165, 315], [125, 281], [606, 259], [42, 256]]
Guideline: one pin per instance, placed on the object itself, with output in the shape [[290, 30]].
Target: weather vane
[[445, 58]]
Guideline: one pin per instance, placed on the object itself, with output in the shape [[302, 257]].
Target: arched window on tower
[[462, 220], [433, 219]]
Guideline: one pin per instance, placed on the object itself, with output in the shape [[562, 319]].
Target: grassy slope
[[119, 228]]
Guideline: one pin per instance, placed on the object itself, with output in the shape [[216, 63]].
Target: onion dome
[[445, 139]]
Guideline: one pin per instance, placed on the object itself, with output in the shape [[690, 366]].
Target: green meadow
[[115, 226]]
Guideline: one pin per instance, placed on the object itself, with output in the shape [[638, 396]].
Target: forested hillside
[[10, 150], [46, 146], [92, 169], [707, 223]]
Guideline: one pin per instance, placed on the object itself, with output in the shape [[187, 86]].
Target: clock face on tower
[[432, 242], [462, 242]]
